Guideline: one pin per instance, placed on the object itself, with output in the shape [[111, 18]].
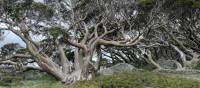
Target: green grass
[[30, 79], [43, 82], [121, 80], [138, 80]]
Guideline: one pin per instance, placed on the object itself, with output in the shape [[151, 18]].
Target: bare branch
[[86, 33], [8, 62], [79, 45], [118, 43]]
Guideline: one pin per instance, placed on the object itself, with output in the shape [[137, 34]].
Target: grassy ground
[[138, 80], [121, 80], [29, 79]]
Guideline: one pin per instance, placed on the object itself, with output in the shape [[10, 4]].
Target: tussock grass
[[138, 80], [135, 79]]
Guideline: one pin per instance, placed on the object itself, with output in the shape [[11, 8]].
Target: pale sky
[[39, 1], [10, 37]]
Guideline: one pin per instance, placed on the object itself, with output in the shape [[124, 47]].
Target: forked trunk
[[80, 73], [82, 62]]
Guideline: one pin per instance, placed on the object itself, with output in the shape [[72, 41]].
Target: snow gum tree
[[63, 36], [78, 25]]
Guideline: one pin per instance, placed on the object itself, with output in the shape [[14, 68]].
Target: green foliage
[[197, 67], [9, 48], [146, 3], [185, 1], [23, 50], [45, 11], [191, 3], [7, 79], [9, 7], [15, 13], [196, 4], [49, 13], [38, 6], [55, 31], [15, 9], [149, 3], [137, 80], [26, 4]]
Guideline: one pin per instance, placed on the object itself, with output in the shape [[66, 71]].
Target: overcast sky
[[10, 37]]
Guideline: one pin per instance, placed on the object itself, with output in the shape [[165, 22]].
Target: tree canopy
[[80, 35]]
